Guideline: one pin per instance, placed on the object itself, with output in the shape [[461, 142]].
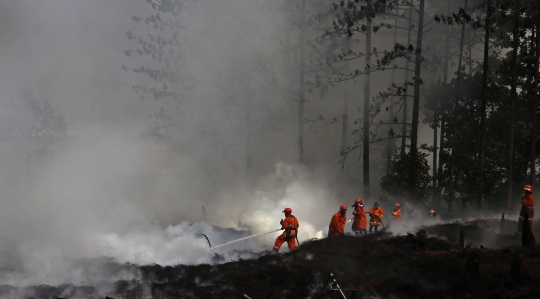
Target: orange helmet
[[343, 207], [432, 211], [287, 211], [527, 188], [358, 201], [398, 205]]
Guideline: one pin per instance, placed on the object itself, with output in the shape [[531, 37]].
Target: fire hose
[[245, 238], [337, 285]]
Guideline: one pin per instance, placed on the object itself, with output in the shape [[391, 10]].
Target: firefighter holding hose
[[337, 224], [290, 226]]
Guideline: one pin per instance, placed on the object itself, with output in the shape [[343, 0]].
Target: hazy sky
[[70, 53]]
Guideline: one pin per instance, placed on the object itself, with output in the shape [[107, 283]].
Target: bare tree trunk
[[513, 97], [344, 116], [405, 104], [454, 119], [367, 81], [483, 126], [249, 152], [535, 102], [441, 143], [443, 120], [301, 91], [436, 123], [446, 55], [469, 46], [416, 101], [391, 143]]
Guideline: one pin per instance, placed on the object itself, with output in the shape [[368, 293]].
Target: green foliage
[[162, 49], [31, 130], [395, 183]]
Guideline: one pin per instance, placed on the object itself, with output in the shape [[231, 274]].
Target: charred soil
[[426, 264]]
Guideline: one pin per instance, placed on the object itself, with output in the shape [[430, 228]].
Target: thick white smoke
[[106, 197], [112, 190]]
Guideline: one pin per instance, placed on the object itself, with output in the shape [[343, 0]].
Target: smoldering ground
[[421, 267]]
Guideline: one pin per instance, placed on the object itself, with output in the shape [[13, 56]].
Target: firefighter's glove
[[281, 222]]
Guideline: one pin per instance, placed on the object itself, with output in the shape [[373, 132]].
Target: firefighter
[[527, 207], [376, 214], [359, 224], [290, 226], [434, 214], [397, 212], [337, 224]]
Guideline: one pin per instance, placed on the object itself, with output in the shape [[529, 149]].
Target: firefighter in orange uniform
[[397, 212], [359, 224], [527, 207], [376, 214], [337, 224], [434, 214], [290, 225]]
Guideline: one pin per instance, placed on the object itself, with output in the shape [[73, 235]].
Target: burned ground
[[426, 264]]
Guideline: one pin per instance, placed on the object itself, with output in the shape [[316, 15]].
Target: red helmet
[[398, 205], [432, 211], [343, 207], [358, 201], [527, 188], [287, 211]]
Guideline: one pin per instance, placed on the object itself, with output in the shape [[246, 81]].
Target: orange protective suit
[[337, 225], [397, 214], [376, 215], [360, 219], [290, 225], [527, 207]]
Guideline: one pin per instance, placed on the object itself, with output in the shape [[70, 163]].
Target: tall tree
[[301, 82], [483, 127], [443, 120], [435, 138], [535, 98], [513, 98], [248, 108], [405, 97], [367, 82], [455, 119], [344, 115], [391, 143], [416, 100]]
